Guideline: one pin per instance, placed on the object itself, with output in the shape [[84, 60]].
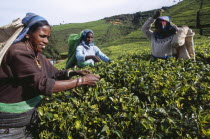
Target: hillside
[[193, 13], [104, 32], [125, 29]]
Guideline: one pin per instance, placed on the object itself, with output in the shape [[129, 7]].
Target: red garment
[[21, 78]]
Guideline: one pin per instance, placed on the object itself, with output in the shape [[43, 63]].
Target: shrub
[[137, 97]]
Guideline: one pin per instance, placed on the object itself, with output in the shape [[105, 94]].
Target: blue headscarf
[[28, 21], [165, 18], [84, 35]]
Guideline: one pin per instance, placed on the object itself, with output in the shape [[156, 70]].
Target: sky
[[75, 11]]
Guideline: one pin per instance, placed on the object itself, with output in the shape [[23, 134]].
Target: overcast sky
[[75, 11]]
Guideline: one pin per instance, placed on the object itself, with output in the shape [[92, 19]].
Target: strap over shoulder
[[7, 31], [8, 34]]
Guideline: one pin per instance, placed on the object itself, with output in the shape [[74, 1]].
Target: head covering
[[84, 35], [166, 29], [165, 18], [85, 32], [28, 21]]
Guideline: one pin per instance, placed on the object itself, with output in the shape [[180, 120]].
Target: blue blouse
[[84, 50]]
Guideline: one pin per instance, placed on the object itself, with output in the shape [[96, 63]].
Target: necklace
[[38, 62], [36, 57]]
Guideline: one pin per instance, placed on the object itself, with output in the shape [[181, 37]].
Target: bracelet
[[68, 73], [72, 73], [80, 81]]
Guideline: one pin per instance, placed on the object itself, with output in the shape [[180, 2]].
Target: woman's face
[[89, 38], [39, 38], [161, 25]]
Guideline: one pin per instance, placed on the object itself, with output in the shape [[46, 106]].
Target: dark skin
[[38, 41], [89, 40], [158, 13]]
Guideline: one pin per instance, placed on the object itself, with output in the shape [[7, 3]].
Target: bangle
[[68, 73], [80, 81]]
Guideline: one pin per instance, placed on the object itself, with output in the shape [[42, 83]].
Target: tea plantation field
[[137, 97]]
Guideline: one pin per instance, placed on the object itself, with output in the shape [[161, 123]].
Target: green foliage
[[51, 51], [184, 13], [136, 36], [137, 97], [192, 13]]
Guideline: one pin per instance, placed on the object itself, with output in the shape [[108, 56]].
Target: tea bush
[[137, 97]]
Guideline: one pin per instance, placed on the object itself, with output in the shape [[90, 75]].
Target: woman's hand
[[83, 72], [62, 85], [79, 72], [94, 58], [158, 13], [90, 79]]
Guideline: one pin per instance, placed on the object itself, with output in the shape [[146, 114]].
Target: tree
[[51, 51]]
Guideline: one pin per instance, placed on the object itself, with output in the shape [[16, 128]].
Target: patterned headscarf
[[84, 36], [85, 32], [28, 21]]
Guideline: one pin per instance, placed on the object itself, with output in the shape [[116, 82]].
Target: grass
[[110, 35]]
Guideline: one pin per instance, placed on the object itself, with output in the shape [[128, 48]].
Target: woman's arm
[[146, 28], [63, 85], [94, 58], [101, 55], [82, 57]]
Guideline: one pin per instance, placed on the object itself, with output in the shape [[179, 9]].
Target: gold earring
[[27, 37]]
